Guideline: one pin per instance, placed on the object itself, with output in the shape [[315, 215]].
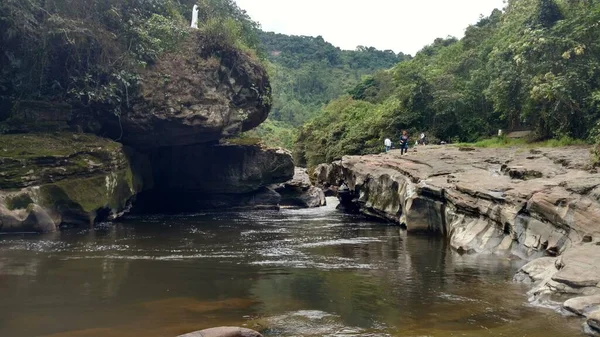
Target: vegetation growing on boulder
[[89, 54]]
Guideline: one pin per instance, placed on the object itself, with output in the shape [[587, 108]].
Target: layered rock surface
[[300, 192], [525, 202], [538, 204], [48, 180]]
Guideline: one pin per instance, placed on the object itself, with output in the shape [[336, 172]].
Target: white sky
[[400, 25]]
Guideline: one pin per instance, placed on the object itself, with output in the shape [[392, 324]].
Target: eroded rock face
[[300, 192], [474, 199], [541, 205], [575, 273], [50, 180], [220, 169], [192, 96], [211, 177]]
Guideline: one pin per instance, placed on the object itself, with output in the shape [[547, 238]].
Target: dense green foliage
[[536, 66], [89, 53], [308, 72]]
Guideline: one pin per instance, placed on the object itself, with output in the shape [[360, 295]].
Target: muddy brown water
[[288, 273]]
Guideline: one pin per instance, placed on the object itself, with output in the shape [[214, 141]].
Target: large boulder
[[49, 180], [195, 95], [300, 192]]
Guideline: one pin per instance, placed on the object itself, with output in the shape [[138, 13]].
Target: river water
[[290, 273]]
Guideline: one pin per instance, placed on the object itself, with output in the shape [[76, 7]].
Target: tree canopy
[[534, 66]]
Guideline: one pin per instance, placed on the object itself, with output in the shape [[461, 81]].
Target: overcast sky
[[401, 25]]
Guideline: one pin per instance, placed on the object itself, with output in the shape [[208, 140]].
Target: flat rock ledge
[[541, 205]]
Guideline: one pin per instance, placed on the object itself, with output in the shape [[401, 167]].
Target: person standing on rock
[[404, 141], [388, 145]]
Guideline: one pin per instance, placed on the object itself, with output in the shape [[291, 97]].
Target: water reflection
[[289, 273]]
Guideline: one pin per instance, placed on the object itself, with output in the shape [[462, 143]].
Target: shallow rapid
[[310, 272]]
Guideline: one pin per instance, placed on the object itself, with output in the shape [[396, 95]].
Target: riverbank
[[541, 205]]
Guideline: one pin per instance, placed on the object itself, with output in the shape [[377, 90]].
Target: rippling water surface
[[289, 273]]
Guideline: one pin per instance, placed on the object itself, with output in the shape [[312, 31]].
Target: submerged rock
[[300, 192], [224, 332], [51, 180]]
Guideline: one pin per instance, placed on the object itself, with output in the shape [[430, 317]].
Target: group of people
[[404, 142]]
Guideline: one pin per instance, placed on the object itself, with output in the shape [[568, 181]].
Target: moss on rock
[[74, 179], [37, 159]]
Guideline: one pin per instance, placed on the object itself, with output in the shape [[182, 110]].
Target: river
[[290, 273]]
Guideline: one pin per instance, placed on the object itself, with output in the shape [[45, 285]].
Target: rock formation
[[216, 177], [62, 179], [300, 192], [187, 102], [192, 96], [530, 203]]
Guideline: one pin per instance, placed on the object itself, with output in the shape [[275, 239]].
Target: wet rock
[[593, 321], [536, 270], [300, 192], [582, 305], [579, 267], [53, 180], [224, 332]]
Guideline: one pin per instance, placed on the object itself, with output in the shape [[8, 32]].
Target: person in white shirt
[[388, 144]]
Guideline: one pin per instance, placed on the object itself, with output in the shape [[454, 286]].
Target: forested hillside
[[306, 74], [536, 66], [88, 55]]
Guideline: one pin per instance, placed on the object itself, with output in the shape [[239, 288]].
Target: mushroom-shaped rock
[[198, 94], [224, 331]]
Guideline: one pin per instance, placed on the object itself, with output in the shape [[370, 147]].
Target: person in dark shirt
[[404, 143]]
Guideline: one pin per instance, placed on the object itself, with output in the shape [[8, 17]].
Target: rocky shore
[[172, 150], [541, 205]]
